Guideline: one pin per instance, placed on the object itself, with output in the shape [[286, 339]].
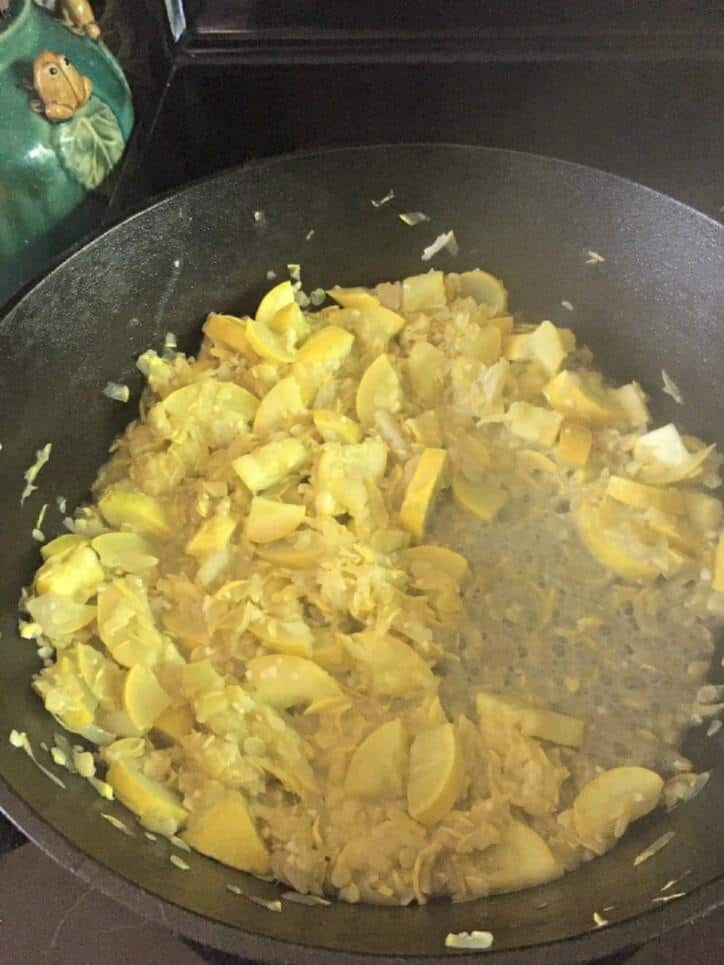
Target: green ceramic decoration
[[65, 117]]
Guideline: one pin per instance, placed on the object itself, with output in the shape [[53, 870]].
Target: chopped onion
[[116, 823], [31, 474], [446, 240], [274, 905], [671, 388], [653, 848], [388, 197], [297, 898], [413, 218], [469, 939], [117, 392], [21, 740]]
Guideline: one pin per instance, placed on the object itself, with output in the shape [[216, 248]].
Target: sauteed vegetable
[[349, 602]]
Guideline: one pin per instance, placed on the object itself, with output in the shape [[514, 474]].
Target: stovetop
[[634, 88]]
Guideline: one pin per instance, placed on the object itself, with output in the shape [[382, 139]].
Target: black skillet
[[657, 301]]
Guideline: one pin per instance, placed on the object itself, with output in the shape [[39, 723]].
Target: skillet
[[656, 301]]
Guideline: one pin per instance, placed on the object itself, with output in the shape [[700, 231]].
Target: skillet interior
[[657, 301]]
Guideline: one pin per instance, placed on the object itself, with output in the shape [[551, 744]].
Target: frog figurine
[[61, 89], [66, 115], [79, 16]]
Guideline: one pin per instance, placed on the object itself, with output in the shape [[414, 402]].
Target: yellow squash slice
[[582, 399], [335, 427], [287, 681], [574, 444], [157, 808], [329, 347], [632, 561], [277, 298], [487, 290], [137, 511], [228, 330], [534, 423], [280, 407], [482, 499], [144, 699], [269, 345], [379, 388], [269, 464], [604, 808], [422, 490], [378, 765], [423, 291], [226, 831], [437, 774], [642, 496], [270, 520], [520, 859]]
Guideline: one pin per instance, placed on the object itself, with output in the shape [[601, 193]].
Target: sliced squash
[[487, 290], [157, 808], [269, 464], [704, 511], [62, 545], [287, 681], [633, 562], [175, 722], [534, 423], [532, 721], [582, 398], [213, 534], [379, 388], [292, 637], [422, 490], [299, 552], [546, 346], [394, 668], [271, 520], [226, 831], [520, 859], [144, 699], [274, 301], [228, 330], [437, 774], [438, 559], [335, 427], [717, 580], [289, 322], [139, 512], [482, 499], [605, 806], [426, 368], [128, 552], [378, 766], [641, 496], [276, 347], [574, 444], [329, 347], [423, 291], [280, 407], [76, 575]]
